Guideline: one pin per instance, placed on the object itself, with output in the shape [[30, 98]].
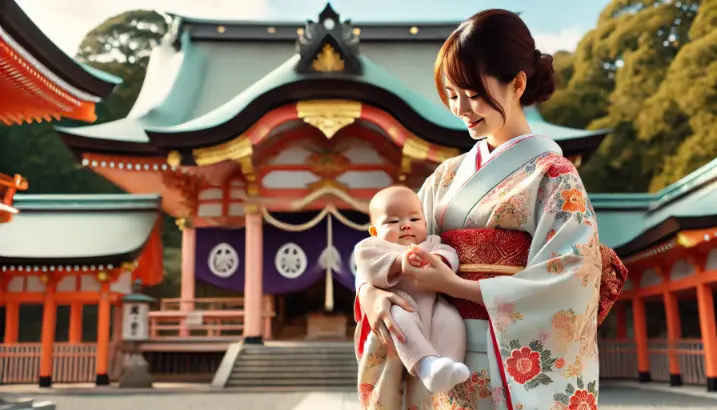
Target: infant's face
[[399, 219]]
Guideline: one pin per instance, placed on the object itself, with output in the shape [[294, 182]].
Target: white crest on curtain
[[290, 260], [330, 259], [223, 260]]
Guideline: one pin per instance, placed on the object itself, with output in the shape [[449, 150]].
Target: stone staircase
[[289, 366], [25, 404]]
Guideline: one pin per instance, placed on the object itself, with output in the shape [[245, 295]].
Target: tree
[[126, 38], [617, 66], [35, 150], [680, 120]]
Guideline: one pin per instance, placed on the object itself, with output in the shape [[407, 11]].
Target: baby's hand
[[415, 260]]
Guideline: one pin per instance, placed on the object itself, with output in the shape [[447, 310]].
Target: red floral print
[[523, 365], [582, 400], [365, 390], [573, 200], [559, 167]]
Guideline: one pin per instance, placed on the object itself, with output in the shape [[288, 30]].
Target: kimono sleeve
[[374, 257], [434, 245], [427, 195], [547, 313]]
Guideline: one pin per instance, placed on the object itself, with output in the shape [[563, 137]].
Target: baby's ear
[[372, 230]]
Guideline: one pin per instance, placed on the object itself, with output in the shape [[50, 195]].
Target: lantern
[[135, 329], [135, 320]]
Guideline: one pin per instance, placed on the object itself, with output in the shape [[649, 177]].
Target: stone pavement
[[612, 398]]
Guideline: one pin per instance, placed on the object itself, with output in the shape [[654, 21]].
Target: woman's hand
[[438, 277], [435, 276], [376, 304]]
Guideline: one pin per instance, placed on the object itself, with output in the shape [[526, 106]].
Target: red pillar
[[640, 325], [12, 322], [706, 309], [49, 322], [253, 292], [188, 279], [674, 333]]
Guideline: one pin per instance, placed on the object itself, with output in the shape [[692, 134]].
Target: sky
[[555, 24]]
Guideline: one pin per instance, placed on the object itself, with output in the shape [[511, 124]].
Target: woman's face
[[480, 118]]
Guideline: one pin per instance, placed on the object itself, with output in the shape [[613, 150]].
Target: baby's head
[[397, 216]]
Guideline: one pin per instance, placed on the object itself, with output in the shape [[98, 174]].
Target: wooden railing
[[8, 186], [618, 359], [216, 318], [72, 363]]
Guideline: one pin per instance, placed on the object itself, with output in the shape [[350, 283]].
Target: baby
[[435, 333]]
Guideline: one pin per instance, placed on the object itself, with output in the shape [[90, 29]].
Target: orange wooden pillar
[[640, 326], [12, 322], [705, 307], [103, 336], [253, 305], [49, 322], [75, 334], [674, 333], [620, 310], [188, 279]]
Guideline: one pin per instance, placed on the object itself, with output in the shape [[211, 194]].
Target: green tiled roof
[[623, 218], [169, 108], [54, 229]]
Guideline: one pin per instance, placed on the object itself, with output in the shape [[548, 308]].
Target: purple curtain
[[220, 257]]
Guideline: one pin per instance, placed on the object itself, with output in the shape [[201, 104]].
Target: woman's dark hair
[[494, 43]]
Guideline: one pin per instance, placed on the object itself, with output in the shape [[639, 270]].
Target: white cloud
[[66, 22], [566, 39]]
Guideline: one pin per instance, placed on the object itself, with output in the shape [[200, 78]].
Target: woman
[[529, 286]]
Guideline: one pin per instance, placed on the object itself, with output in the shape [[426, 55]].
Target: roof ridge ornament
[[328, 46]]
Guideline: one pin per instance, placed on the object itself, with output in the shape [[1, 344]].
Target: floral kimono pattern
[[539, 326]]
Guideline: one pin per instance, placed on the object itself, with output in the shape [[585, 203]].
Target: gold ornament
[[328, 60], [329, 116]]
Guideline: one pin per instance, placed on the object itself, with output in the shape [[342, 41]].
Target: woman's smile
[[473, 124]]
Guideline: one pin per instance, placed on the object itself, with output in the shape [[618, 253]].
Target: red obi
[[484, 253], [487, 253]]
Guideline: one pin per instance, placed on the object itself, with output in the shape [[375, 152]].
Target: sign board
[[135, 322]]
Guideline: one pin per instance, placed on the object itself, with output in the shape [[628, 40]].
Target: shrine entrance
[[297, 312]]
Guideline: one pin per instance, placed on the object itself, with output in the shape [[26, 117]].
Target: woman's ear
[[519, 83], [372, 230]]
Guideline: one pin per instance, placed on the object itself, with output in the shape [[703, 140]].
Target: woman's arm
[[438, 276], [464, 289]]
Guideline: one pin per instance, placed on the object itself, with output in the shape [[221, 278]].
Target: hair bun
[[541, 84]]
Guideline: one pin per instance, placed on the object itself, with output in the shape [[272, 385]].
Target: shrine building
[[267, 140], [663, 327], [62, 252]]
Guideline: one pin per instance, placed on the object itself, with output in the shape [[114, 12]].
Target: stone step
[[297, 359], [293, 373], [25, 404], [291, 357], [292, 382], [292, 389], [290, 351], [246, 367], [294, 367]]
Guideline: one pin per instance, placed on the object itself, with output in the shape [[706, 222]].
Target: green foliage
[[119, 46], [679, 120], [623, 73], [126, 38]]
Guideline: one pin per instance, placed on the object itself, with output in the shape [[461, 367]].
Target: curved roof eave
[[22, 29], [633, 223], [167, 97], [38, 234], [375, 87]]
